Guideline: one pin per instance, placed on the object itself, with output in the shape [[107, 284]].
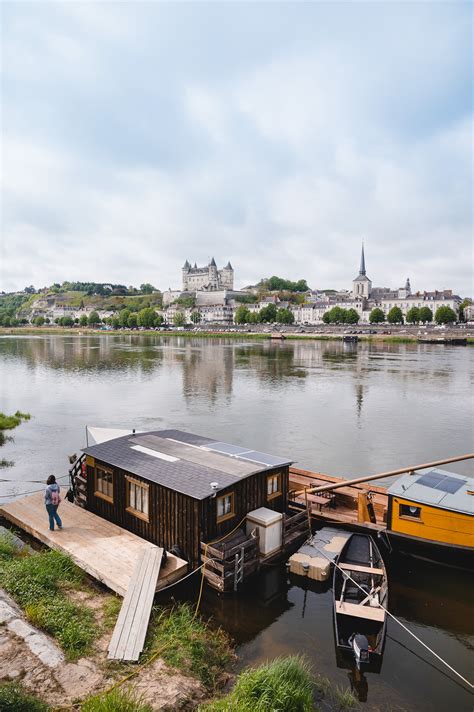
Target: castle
[[207, 279]]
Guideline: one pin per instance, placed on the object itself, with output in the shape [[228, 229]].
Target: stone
[[14, 674], [6, 612], [45, 650], [20, 628]]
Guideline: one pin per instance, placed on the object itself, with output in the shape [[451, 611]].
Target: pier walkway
[[105, 551]]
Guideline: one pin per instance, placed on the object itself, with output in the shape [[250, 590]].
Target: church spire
[[362, 262]]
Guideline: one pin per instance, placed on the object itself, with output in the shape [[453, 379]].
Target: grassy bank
[[39, 582]]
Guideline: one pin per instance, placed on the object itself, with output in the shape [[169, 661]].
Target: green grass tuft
[[110, 610], [283, 685], [14, 699], [8, 422], [343, 698], [8, 546], [37, 582], [189, 645], [118, 700]]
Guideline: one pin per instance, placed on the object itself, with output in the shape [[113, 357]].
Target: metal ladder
[[239, 568]]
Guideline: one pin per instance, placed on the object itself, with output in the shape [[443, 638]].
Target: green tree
[[146, 317], [445, 315], [147, 288], [94, 318], [254, 318], [352, 316], [327, 318], [159, 320], [115, 322], [39, 321], [123, 317], [413, 315], [242, 315], [83, 321], [179, 319], [132, 320], [268, 313], [395, 316], [67, 321], [425, 315], [376, 316], [285, 316], [465, 303], [195, 317]]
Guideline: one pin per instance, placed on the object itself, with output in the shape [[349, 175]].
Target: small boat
[[360, 621]]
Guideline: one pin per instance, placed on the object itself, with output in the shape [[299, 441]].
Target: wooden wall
[[174, 518]]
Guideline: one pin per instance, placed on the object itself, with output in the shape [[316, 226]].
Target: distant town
[[207, 297]]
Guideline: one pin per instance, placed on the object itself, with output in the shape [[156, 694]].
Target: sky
[[278, 136]]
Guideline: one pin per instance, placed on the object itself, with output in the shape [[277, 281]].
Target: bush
[[283, 685], [14, 699], [8, 548], [118, 700], [190, 644]]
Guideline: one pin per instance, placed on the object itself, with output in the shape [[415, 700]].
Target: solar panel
[[226, 448], [263, 458], [442, 483]]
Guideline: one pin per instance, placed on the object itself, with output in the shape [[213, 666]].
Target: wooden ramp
[[129, 634], [105, 551]]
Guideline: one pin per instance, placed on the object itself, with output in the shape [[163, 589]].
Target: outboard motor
[[360, 646]]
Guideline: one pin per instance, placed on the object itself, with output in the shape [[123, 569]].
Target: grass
[[14, 699], [110, 611], [8, 422], [343, 698], [39, 582], [283, 685], [189, 644], [118, 700]]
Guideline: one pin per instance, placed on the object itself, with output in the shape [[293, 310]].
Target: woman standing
[[52, 500]]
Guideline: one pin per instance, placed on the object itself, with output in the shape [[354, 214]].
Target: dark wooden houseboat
[[191, 495]]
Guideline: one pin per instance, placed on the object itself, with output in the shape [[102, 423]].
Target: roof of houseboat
[[438, 488], [182, 461]]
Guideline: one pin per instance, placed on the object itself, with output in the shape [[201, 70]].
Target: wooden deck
[[105, 551], [129, 634]]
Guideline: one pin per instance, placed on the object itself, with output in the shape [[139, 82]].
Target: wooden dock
[[105, 551]]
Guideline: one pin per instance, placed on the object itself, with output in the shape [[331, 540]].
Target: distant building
[[207, 278], [361, 285]]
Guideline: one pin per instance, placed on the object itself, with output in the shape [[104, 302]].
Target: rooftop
[[182, 461], [438, 488]]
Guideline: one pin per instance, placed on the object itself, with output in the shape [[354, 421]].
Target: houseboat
[[199, 498]]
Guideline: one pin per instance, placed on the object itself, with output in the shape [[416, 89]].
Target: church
[[207, 279]]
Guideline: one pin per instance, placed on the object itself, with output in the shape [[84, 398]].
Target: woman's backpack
[[55, 498]]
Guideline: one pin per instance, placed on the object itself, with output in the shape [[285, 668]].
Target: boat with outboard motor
[[360, 592]]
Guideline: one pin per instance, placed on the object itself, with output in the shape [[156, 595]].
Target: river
[[343, 409]]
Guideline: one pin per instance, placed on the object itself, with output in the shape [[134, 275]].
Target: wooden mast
[[381, 475]]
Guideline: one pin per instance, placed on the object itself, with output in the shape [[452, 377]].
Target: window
[[273, 486], [137, 498], [225, 507], [104, 483], [408, 510]]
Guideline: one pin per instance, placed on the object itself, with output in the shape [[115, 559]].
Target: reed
[[118, 700]]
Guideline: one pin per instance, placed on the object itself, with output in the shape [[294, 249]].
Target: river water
[[343, 409]]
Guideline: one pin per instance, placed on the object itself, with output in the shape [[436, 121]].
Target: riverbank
[[238, 335]]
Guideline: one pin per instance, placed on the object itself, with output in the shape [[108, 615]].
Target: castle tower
[[361, 285], [227, 277], [185, 271], [213, 275]]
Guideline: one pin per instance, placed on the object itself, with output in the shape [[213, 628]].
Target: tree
[[327, 318], [123, 317], [376, 316], [179, 319], [7, 320], [268, 313], [94, 318], [115, 322], [413, 315], [147, 288], [242, 315], [132, 320], [465, 303], [195, 317], [159, 320], [146, 317], [395, 316], [352, 316], [39, 321], [83, 320], [254, 318], [425, 315], [285, 316], [445, 315], [66, 321]]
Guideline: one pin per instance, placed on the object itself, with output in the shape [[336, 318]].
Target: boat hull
[[455, 556]]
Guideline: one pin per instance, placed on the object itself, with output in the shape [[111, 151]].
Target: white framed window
[[104, 483], [137, 498], [225, 507], [273, 486]]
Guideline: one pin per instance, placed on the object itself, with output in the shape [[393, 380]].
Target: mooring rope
[[402, 625]]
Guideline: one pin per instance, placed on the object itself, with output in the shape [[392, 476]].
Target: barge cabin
[[180, 490]]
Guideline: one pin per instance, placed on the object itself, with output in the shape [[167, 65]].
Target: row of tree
[[267, 315], [415, 315]]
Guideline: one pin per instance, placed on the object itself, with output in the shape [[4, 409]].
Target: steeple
[[362, 262], [186, 265], [213, 263], [228, 265]]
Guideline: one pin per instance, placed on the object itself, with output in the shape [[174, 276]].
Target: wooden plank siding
[[177, 519]]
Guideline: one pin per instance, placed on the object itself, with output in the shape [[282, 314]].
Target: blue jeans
[[52, 510]]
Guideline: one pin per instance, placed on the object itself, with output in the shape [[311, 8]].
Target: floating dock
[[315, 557], [105, 551]]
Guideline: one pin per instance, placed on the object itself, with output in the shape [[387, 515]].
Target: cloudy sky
[[277, 135]]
